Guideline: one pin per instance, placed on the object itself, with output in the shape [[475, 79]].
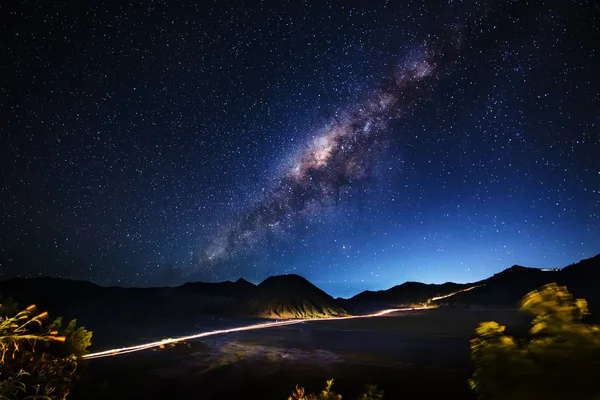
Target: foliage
[[78, 339], [557, 359], [7, 306], [38, 360], [326, 394], [371, 393], [12, 386]]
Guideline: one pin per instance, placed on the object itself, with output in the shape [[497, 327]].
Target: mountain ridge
[[293, 296]]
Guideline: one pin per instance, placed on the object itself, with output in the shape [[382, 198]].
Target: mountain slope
[[291, 296], [81, 299], [504, 289], [509, 286], [404, 295], [50, 292], [288, 296], [408, 293], [238, 289]]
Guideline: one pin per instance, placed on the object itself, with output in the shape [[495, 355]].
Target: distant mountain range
[[289, 296], [284, 296], [406, 294]]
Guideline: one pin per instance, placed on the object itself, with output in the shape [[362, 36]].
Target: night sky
[[358, 145]]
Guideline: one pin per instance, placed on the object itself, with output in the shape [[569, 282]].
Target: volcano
[[292, 296]]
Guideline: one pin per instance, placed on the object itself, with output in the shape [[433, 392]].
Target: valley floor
[[414, 354]]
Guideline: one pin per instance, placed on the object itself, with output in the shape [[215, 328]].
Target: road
[[266, 325]]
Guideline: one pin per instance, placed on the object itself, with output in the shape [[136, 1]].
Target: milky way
[[358, 145], [338, 157]]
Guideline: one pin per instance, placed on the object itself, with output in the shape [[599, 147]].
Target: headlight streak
[[452, 294], [145, 346]]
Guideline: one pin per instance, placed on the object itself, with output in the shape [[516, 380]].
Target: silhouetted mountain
[[405, 294], [76, 298], [49, 292], [506, 288], [243, 282], [238, 289], [516, 268], [291, 296], [286, 296]]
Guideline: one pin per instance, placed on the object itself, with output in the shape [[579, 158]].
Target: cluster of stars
[[150, 144]]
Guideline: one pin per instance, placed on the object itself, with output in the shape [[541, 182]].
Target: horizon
[[315, 283]]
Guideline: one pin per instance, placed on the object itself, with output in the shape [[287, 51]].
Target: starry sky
[[358, 144]]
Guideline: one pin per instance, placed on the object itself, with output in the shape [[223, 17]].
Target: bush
[[371, 393], [38, 361], [7, 306], [77, 340], [557, 359]]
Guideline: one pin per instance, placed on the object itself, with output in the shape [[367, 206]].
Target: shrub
[[38, 360], [77, 339], [557, 359], [7, 306], [371, 393]]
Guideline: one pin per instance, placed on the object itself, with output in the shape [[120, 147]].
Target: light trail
[[145, 346], [452, 294]]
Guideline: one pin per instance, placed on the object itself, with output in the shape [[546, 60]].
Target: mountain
[[49, 292], [73, 298], [506, 288], [287, 296], [403, 295], [291, 296], [238, 289]]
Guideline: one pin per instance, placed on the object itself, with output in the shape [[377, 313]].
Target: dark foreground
[[416, 354]]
